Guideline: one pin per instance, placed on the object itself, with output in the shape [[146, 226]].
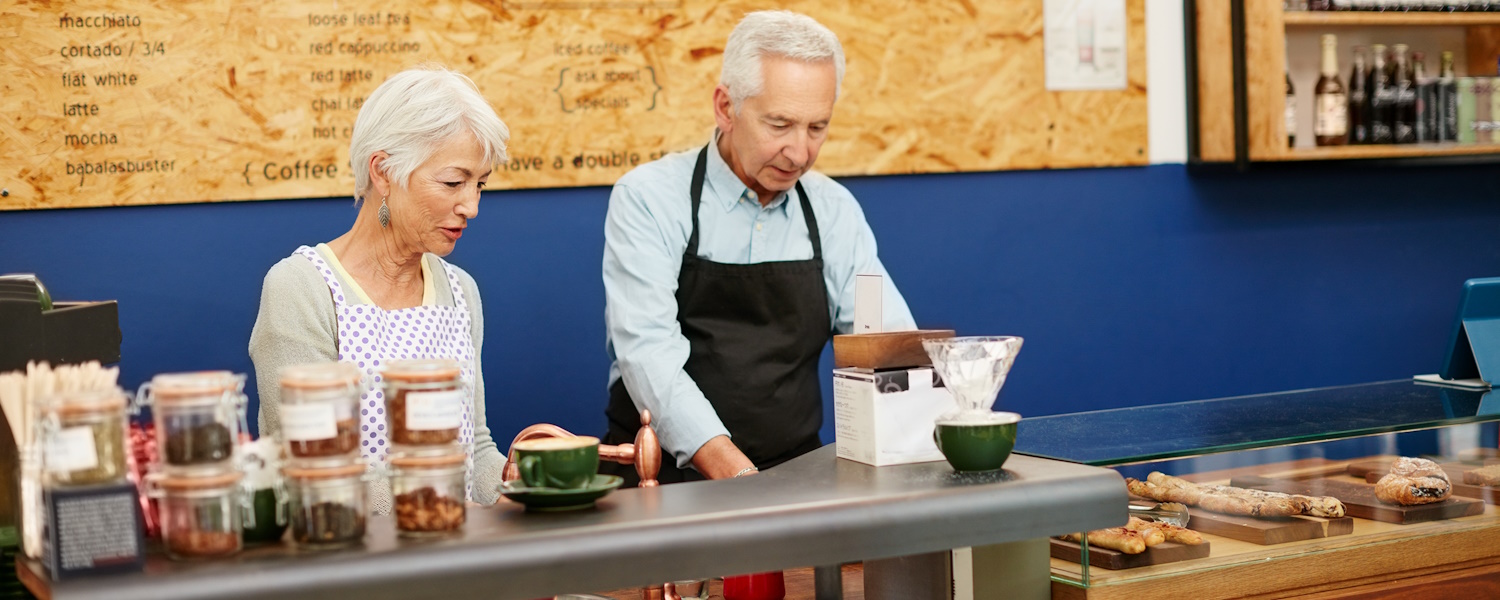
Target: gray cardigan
[[296, 324]]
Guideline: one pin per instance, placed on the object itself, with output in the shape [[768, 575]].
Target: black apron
[[756, 332]]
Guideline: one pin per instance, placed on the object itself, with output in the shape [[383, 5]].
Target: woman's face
[[442, 195]]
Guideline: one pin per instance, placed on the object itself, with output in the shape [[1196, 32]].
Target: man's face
[[776, 135]]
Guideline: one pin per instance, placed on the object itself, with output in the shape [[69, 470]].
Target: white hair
[[412, 114], [781, 33]]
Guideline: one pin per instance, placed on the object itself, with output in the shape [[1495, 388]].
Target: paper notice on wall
[[1085, 44]]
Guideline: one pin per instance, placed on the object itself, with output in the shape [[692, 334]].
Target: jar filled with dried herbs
[[423, 400], [318, 411], [327, 504], [198, 419], [84, 437], [429, 493]]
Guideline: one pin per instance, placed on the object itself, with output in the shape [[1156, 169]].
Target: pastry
[[1486, 476], [1152, 532], [1413, 481], [1114, 538], [1316, 506], [1232, 500], [1170, 533]]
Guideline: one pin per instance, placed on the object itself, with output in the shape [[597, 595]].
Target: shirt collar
[[727, 187]]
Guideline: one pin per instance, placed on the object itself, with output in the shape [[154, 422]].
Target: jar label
[[72, 449], [308, 422], [430, 411]]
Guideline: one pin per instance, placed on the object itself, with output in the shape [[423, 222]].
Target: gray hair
[[780, 33], [412, 114]]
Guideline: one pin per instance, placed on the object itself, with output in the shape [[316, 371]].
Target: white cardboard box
[[886, 417]]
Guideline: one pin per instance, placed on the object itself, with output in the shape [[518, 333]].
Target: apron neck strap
[[699, 170]]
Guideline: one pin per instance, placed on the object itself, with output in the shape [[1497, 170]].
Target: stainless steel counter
[[815, 510]]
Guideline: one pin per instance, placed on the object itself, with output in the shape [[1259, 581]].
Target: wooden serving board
[[888, 350], [1268, 531], [1360, 502], [1265, 531], [1372, 471], [1104, 558], [1380, 466]]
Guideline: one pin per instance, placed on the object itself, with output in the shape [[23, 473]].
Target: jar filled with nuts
[[318, 412], [84, 437], [201, 517], [198, 419], [429, 493], [423, 401], [327, 504]]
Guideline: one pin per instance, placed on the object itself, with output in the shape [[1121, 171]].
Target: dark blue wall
[[1131, 286]]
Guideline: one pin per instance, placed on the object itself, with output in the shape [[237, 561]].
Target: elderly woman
[[423, 146]]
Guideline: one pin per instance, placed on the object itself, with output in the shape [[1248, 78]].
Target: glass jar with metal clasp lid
[[328, 504], [319, 420], [83, 437], [198, 416], [429, 492], [201, 516], [423, 401]]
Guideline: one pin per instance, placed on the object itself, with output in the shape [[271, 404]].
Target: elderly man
[[727, 269]]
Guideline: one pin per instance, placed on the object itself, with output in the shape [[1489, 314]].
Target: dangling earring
[[385, 214]]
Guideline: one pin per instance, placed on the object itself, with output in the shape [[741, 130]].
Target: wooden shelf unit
[[1388, 19], [1265, 25], [1386, 151]]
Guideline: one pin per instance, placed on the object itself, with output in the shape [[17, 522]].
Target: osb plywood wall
[[135, 102]]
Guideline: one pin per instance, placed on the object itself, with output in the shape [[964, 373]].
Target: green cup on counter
[[559, 463], [977, 443]]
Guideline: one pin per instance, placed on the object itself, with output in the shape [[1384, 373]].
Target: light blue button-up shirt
[[645, 234]]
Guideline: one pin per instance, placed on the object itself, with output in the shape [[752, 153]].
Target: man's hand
[[721, 459]]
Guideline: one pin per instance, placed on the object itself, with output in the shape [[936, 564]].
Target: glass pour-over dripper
[[973, 369]]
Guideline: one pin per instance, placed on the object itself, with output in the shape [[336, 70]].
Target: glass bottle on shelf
[[1403, 122], [1312, 4], [1425, 99], [1290, 114], [1359, 100], [1331, 103], [1433, 5], [1447, 100], [1382, 96]]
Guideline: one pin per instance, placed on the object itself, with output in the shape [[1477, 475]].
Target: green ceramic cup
[[559, 463], [977, 445]]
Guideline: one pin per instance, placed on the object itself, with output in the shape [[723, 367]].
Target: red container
[[756, 586]]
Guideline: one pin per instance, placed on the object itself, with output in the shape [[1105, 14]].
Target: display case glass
[[1322, 442]]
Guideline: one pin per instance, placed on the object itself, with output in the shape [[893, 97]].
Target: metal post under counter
[[814, 510]]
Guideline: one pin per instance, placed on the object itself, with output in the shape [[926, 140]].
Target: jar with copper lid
[[83, 436], [319, 419], [423, 400], [328, 504], [201, 516], [429, 493], [198, 419]]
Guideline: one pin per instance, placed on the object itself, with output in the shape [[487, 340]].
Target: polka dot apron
[[369, 335]]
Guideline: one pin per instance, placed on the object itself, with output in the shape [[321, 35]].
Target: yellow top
[[333, 261]]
